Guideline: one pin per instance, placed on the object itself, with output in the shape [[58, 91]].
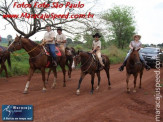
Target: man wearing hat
[[60, 39], [137, 45], [96, 47], [49, 40]]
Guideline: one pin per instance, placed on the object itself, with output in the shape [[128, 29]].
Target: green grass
[[115, 55]]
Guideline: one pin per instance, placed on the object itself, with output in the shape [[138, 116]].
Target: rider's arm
[[50, 40], [130, 46], [64, 38]]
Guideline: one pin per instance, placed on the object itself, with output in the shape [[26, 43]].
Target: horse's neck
[[131, 60], [84, 57], [31, 48]]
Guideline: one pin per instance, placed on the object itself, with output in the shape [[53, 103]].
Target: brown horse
[[70, 53], [135, 67], [90, 65], [38, 60], [4, 55]]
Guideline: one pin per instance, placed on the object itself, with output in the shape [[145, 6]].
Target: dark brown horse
[[90, 65], [38, 60], [134, 66], [4, 55], [70, 53]]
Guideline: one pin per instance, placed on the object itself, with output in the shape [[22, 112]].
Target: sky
[[148, 17]]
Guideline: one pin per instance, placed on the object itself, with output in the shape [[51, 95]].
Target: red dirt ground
[[63, 105]]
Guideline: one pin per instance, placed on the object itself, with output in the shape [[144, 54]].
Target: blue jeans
[[52, 51], [140, 55]]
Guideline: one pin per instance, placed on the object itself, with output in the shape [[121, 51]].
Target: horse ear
[[78, 52], [20, 36], [16, 35], [138, 49]]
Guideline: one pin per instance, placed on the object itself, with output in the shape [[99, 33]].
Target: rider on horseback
[[137, 45], [96, 48], [60, 39], [49, 38]]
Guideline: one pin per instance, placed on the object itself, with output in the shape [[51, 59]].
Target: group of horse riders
[[60, 41]]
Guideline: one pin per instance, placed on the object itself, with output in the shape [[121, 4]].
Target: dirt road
[[63, 105]]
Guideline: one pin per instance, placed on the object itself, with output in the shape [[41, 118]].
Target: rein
[[86, 61], [19, 43], [89, 65]]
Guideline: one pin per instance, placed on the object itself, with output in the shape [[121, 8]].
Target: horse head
[[16, 44], [134, 56], [76, 59]]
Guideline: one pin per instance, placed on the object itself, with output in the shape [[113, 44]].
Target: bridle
[[19, 43], [90, 57]]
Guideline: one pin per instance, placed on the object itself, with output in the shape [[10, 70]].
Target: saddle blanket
[[57, 51]]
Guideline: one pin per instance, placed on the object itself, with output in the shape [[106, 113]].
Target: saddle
[[97, 61], [2, 49], [47, 51]]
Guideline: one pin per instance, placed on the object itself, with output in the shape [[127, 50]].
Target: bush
[[115, 55], [78, 47]]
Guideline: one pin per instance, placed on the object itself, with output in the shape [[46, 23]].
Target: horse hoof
[[46, 82], [25, 92], [91, 92], [69, 79], [64, 85], [77, 92], [97, 88], [109, 87], [134, 90], [43, 91], [139, 87], [53, 87], [128, 90]]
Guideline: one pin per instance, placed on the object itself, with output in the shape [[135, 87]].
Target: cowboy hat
[[47, 25], [97, 35], [59, 28], [136, 36]]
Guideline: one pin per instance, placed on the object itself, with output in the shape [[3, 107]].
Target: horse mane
[[33, 43]]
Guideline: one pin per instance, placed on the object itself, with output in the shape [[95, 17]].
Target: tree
[[29, 26], [69, 41], [120, 22]]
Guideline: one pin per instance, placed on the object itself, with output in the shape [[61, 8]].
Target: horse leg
[[5, 71], [48, 75], [2, 67], [92, 82], [30, 74], [135, 77], [127, 80], [141, 74], [99, 78], [80, 80], [70, 68], [55, 78], [108, 76], [43, 79], [64, 73]]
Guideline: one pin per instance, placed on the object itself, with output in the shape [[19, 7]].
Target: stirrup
[[147, 67], [121, 68], [54, 63]]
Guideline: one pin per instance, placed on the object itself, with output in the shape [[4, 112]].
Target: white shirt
[[96, 44], [136, 45], [49, 36], [60, 38]]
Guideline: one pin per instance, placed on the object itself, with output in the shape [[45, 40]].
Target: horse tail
[[9, 60]]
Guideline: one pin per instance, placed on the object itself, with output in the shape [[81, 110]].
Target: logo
[[17, 112]]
